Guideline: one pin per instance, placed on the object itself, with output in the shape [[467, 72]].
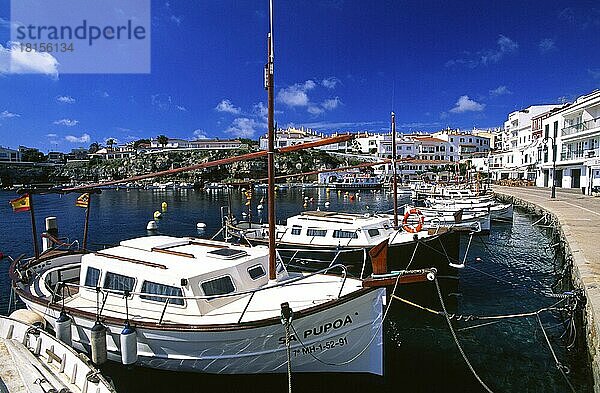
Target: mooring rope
[[557, 362], [464, 356]]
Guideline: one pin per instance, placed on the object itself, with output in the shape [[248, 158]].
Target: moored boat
[[34, 361], [204, 306]]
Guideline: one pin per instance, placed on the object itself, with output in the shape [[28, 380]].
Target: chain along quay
[[507, 319]]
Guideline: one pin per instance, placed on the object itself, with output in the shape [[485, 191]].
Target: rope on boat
[[286, 319], [460, 349], [564, 370], [379, 327]]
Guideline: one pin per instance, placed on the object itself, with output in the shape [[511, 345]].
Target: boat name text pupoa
[[321, 329]]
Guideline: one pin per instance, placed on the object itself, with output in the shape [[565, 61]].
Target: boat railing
[[105, 292]]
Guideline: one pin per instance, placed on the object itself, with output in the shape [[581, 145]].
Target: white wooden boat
[[31, 360], [318, 236], [206, 306], [357, 181], [498, 211], [478, 221]]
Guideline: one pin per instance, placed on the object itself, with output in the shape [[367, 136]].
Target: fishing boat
[[498, 211], [187, 304], [357, 181], [320, 236], [31, 360], [476, 221]]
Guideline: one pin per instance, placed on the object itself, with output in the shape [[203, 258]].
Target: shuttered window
[[155, 288]]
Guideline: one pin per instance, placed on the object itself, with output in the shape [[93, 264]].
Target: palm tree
[[109, 143], [162, 140]]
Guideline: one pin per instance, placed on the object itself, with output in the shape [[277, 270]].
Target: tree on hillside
[[162, 140], [110, 142], [94, 147], [139, 142]]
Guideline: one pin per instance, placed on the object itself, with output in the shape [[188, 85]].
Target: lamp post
[[553, 195]]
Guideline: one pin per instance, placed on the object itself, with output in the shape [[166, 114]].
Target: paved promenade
[[579, 216]]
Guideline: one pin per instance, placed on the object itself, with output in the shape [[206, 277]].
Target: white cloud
[[499, 91], [181, 108], [226, 106], [594, 73], [8, 115], [200, 134], [296, 95], [65, 99], [104, 94], [261, 110], [547, 45], [15, 61], [161, 101], [85, 138], [315, 110], [331, 104], [51, 135], [67, 122], [465, 104], [243, 127], [505, 46], [331, 82]]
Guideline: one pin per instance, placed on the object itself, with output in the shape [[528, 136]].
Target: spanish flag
[[21, 204], [83, 201]]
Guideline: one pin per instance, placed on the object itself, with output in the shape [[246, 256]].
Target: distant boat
[[357, 182]]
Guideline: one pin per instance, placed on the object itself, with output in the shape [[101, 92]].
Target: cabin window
[[339, 234], [316, 232], [218, 286], [161, 289], [296, 229], [373, 232], [92, 277], [256, 272], [118, 282]]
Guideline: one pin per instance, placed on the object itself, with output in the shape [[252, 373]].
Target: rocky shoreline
[[116, 169]]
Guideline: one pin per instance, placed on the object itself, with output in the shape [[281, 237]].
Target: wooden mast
[[395, 180], [271, 148]]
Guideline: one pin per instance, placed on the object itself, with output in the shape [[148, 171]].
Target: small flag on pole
[[21, 204], [83, 201]]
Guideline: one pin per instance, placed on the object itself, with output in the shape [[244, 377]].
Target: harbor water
[[510, 271]]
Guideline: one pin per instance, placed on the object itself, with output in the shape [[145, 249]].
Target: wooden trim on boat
[[172, 252], [197, 243], [132, 260]]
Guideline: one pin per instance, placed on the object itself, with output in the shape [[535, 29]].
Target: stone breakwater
[[576, 222]]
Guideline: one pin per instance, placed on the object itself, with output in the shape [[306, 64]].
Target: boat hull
[[348, 330]]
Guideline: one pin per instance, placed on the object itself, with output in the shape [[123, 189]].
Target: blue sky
[[340, 65]]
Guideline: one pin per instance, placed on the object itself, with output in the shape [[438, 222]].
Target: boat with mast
[[192, 304]]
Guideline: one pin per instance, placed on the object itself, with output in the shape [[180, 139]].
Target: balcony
[[581, 127], [579, 154]]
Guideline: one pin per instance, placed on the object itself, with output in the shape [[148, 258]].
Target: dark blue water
[[507, 272]]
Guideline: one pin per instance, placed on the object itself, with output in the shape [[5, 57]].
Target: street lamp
[[553, 195]]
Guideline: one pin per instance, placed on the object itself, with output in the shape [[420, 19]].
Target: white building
[[464, 144], [290, 136], [517, 158], [199, 144], [9, 155], [575, 128]]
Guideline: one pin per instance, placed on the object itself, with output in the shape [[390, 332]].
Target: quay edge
[[585, 272]]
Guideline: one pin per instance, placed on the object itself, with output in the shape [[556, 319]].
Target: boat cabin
[[336, 229], [160, 269]]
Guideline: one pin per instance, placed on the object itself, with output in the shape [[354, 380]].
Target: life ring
[[413, 228]]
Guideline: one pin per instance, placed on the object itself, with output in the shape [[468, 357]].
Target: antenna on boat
[[394, 179], [271, 147]]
